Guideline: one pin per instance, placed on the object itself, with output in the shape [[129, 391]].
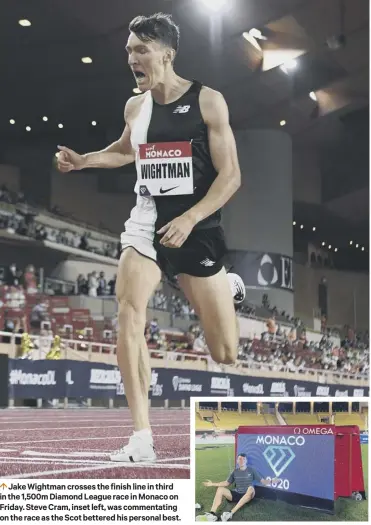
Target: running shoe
[[208, 516], [238, 287], [138, 449]]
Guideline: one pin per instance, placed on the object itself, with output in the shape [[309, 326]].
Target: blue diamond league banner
[[300, 459]]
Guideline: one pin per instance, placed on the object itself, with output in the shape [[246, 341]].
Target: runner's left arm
[[223, 152]]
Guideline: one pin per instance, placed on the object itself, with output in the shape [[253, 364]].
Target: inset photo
[[281, 460]]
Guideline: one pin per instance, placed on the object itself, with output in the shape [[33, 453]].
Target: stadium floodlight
[[214, 5], [12, 121], [283, 123], [351, 242], [289, 66], [363, 248], [357, 245], [294, 223], [93, 123], [24, 22], [60, 126], [28, 128], [301, 226], [45, 119], [323, 244], [329, 246], [314, 228], [336, 250], [86, 60]]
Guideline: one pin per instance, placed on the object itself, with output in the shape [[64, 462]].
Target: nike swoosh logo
[[168, 189]]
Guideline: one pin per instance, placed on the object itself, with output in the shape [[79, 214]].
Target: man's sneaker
[[226, 516], [138, 449], [207, 517], [238, 287]]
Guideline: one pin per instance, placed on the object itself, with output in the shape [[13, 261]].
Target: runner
[[178, 134]]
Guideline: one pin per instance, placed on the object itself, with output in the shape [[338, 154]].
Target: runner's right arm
[[116, 155]]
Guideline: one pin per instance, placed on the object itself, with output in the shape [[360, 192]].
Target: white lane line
[[55, 460], [82, 454], [155, 466], [101, 427], [81, 420], [174, 459], [37, 455], [105, 438], [8, 450]]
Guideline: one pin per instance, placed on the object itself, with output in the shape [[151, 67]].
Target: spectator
[[84, 245], [102, 284], [37, 316], [154, 331], [12, 276], [30, 282], [112, 285], [81, 285], [93, 284], [15, 298]]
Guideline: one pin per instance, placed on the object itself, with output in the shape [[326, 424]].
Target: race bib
[[165, 168]]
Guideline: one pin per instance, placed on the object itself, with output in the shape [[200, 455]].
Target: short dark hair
[[243, 455], [159, 27]]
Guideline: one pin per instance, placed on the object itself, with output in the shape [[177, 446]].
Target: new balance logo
[[182, 109], [207, 262]]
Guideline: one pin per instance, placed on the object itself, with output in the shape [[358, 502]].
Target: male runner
[[179, 135], [243, 477]]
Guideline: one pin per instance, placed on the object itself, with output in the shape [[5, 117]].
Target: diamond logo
[[175, 383], [278, 458]]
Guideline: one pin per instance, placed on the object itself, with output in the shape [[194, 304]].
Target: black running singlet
[[182, 121]]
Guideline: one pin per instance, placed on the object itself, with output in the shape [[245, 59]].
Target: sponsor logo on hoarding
[[69, 379], [299, 391], [313, 430], [156, 388], [17, 377], [252, 389], [184, 384], [279, 387], [221, 385], [358, 392], [101, 376], [323, 391], [341, 393]]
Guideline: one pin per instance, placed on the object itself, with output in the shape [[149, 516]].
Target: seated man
[[243, 478]]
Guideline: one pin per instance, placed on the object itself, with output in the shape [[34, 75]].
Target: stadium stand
[[228, 418], [71, 296]]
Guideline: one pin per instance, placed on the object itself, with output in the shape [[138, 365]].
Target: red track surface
[[75, 443]]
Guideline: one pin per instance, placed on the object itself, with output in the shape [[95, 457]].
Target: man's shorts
[[202, 254], [236, 496]]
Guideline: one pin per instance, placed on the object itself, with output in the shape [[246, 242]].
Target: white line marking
[[98, 467], [67, 454], [86, 439], [56, 460], [102, 427], [37, 455], [81, 420], [8, 450]]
